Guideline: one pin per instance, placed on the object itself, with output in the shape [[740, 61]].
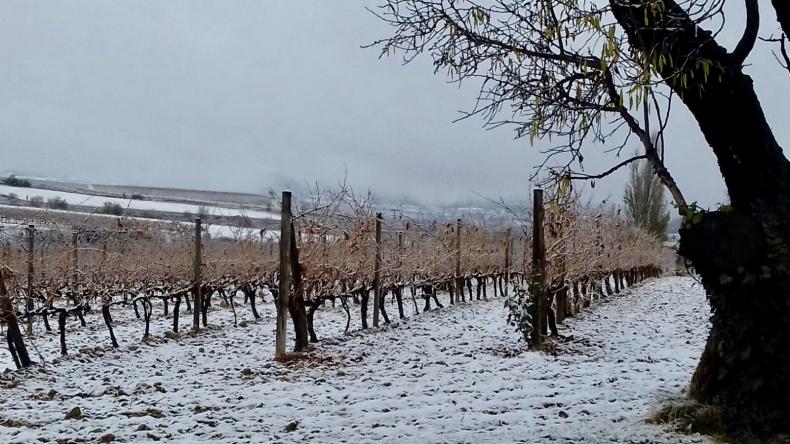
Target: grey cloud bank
[[247, 95]]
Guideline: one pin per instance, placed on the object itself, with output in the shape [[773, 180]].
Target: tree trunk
[[742, 253], [296, 306], [745, 366], [383, 309], [364, 295], [62, 315], [105, 311], [562, 303], [435, 298], [399, 297], [16, 344], [249, 294], [414, 299], [205, 301], [176, 308]]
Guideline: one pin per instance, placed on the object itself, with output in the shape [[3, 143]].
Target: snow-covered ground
[[215, 231], [153, 205], [451, 375]]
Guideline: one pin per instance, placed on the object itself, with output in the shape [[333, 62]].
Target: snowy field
[[215, 231], [89, 200], [451, 375]]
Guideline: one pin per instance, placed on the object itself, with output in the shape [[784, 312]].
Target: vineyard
[[145, 330], [607, 261], [342, 255]]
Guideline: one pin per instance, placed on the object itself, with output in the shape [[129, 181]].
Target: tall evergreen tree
[[645, 204]]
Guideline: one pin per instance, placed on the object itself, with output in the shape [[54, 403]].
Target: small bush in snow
[[13, 181], [520, 311], [111, 208], [57, 203]]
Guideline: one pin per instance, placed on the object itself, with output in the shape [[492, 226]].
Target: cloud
[[248, 95]]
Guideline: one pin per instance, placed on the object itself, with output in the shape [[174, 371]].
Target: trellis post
[[197, 309], [285, 276], [29, 301], [538, 267], [377, 273]]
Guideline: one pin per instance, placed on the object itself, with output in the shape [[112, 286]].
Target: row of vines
[[52, 271]]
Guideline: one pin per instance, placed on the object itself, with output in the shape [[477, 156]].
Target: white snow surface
[[154, 205], [456, 374], [216, 231]]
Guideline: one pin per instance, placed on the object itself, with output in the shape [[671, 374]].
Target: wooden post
[[599, 267], [75, 260], [30, 306], [538, 267], [377, 273], [398, 277], [104, 252], [285, 277], [507, 260], [459, 281], [400, 254], [197, 308]]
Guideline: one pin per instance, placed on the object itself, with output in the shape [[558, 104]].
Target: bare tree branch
[[746, 43]]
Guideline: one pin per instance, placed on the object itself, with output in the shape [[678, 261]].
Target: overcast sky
[[248, 95]]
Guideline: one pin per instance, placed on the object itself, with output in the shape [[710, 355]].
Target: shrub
[[57, 203], [111, 208], [520, 312], [138, 196], [241, 221], [36, 201], [203, 211], [13, 181]]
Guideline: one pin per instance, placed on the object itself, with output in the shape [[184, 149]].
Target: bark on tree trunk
[[249, 294], [205, 301], [16, 344], [742, 253], [296, 305], [383, 309], [745, 366], [105, 311], [364, 295], [562, 303], [176, 308], [399, 297]]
